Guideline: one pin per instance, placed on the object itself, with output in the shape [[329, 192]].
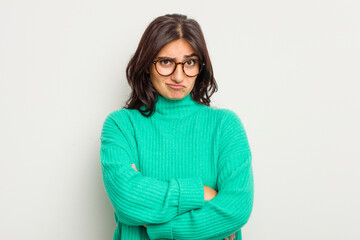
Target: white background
[[289, 69]]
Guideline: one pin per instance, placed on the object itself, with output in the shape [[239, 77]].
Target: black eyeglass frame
[[177, 63]]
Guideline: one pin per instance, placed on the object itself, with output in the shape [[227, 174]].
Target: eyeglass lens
[[167, 67]]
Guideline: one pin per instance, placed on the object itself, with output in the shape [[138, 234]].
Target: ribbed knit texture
[[178, 150]]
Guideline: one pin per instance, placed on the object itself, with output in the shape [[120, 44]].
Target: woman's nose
[[178, 74]]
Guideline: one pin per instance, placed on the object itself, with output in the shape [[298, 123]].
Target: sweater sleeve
[[231, 208], [137, 199]]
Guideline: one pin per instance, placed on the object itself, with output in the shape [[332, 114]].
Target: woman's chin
[[175, 95]]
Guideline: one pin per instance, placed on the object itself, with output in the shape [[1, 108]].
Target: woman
[[174, 167]]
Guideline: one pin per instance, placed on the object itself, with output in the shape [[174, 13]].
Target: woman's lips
[[174, 86]]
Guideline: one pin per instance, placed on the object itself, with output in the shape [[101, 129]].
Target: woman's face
[[180, 50]]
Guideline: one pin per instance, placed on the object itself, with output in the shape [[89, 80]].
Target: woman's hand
[[231, 237], [134, 167], [209, 194]]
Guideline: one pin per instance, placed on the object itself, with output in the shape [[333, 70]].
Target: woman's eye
[[165, 62], [191, 62]]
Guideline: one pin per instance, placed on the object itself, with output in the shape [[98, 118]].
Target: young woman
[[174, 167]]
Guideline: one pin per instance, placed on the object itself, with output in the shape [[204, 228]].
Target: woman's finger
[[134, 167]]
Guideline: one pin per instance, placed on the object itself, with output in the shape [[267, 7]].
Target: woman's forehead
[[179, 48]]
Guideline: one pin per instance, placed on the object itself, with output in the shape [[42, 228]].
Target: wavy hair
[[160, 32]]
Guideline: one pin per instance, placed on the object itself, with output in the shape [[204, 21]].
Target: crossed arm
[[179, 208], [209, 194]]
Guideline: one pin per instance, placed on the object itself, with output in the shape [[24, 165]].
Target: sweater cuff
[[156, 231], [191, 194]]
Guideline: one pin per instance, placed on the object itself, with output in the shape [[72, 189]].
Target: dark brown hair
[[160, 32]]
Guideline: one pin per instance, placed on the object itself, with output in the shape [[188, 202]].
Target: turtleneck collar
[[168, 108]]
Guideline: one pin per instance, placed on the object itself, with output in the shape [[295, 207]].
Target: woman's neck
[[175, 108]]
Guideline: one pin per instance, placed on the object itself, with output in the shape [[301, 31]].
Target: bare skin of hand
[[209, 194], [231, 237]]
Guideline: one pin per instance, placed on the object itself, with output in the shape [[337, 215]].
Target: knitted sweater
[[178, 150]]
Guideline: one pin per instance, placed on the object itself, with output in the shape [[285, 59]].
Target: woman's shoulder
[[123, 112], [119, 113], [222, 113], [120, 117], [225, 118]]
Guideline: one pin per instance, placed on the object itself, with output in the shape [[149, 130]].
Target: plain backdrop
[[289, 69]]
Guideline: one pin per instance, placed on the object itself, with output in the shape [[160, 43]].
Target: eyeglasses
[[166, 67]]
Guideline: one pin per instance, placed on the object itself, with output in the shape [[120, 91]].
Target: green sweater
[[178, 150]]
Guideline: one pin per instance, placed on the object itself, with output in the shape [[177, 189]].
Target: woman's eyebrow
[[167, 58], [191, 55], [185, 57]]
